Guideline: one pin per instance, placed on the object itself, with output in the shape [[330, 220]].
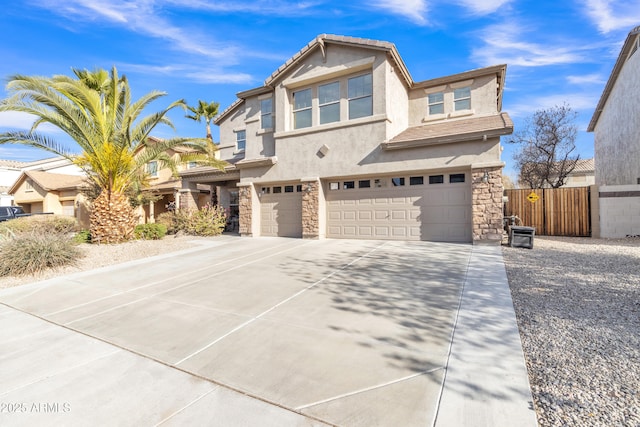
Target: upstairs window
[[329, 101], [241, 139], [462, 99], [360, 96], [266, 113], [302, 109], [152, 168], [436, 103]]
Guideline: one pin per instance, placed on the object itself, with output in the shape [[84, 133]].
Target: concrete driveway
[[269, 331]]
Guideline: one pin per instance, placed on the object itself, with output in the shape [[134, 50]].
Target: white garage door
[[417, 207], [281, 211]]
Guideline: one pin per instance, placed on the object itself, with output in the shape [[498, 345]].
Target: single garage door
[[281, 211], [435, 207]]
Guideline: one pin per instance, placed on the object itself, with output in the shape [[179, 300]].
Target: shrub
[[30, 253], [150, 231], [208, 221], [82, 236], [41, 224]]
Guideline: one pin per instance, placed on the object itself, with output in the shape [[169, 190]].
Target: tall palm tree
[[96, 110], [204, 110]]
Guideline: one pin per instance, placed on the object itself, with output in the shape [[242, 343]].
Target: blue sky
[[556, 51]]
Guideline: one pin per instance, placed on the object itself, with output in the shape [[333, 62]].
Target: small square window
[[348, 185], [277, 190], [436, 179], [397, 182], [416, 180], [365, 183], [462, 98], [288, 188], [334, 186], [456, 177], [266, 190], [299, 188]]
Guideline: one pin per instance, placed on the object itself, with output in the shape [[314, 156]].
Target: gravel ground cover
[[577, 301]]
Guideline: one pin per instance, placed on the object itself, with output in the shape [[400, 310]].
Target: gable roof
[[622, 58], [319, 42], [452, 131], [50, 181], [585, 166], [322, 40]]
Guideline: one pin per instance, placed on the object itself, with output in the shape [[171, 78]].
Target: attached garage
[[434, 207], [281, 211]]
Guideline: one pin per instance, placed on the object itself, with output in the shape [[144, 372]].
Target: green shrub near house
[[207, 221], [150, 231]]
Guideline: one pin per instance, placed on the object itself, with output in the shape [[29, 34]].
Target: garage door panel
[[281, 215], [439, 212]]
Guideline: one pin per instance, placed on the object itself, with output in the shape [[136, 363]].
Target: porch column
[[152, 212], [188, 195], [487, 204], [246, 205], [310, 208]]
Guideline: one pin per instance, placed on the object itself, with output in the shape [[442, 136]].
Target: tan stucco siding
[[29, 195], [397, 102], [356, 151], [483, 100], [617, 134]]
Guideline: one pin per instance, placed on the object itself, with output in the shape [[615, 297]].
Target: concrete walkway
[[281, 332]]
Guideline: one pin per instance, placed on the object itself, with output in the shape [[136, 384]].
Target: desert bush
[[29, 253], [41, 224], [150, 231], [82, 236], [208, 221]]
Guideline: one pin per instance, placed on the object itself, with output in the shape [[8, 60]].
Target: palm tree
[[96, 110], [206, 111]]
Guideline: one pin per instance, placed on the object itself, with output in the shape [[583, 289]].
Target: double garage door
[[429, 207], [417, 207]]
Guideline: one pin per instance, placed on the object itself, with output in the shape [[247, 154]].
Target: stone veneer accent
[[188, 199], [244, 220], [487, 206], [310, 210]]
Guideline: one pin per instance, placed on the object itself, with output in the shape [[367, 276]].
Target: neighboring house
[[39, 191], [10, 171], [163, 183], [583, 175], [340, 142], [616, 127], [616, 120]]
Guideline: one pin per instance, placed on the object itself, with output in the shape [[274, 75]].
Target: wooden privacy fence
[[556, 212]]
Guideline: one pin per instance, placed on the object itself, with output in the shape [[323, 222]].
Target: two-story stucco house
[[616, 120], [616, 127], [340, 142]]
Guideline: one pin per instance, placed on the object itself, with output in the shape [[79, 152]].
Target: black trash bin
[[521, 237]]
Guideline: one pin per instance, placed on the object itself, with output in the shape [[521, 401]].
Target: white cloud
[[260, 7], [596, 79], [505, 43], [527, 106], [610, 15], [414, 10], [483, 7], [142, 17], [16, 120]]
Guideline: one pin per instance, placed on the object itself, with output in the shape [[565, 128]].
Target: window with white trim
[[152, 168], [360, 96], [241, 139], [302, 109], [329, 102], [266, 113], [462, 98], [436, 103]]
